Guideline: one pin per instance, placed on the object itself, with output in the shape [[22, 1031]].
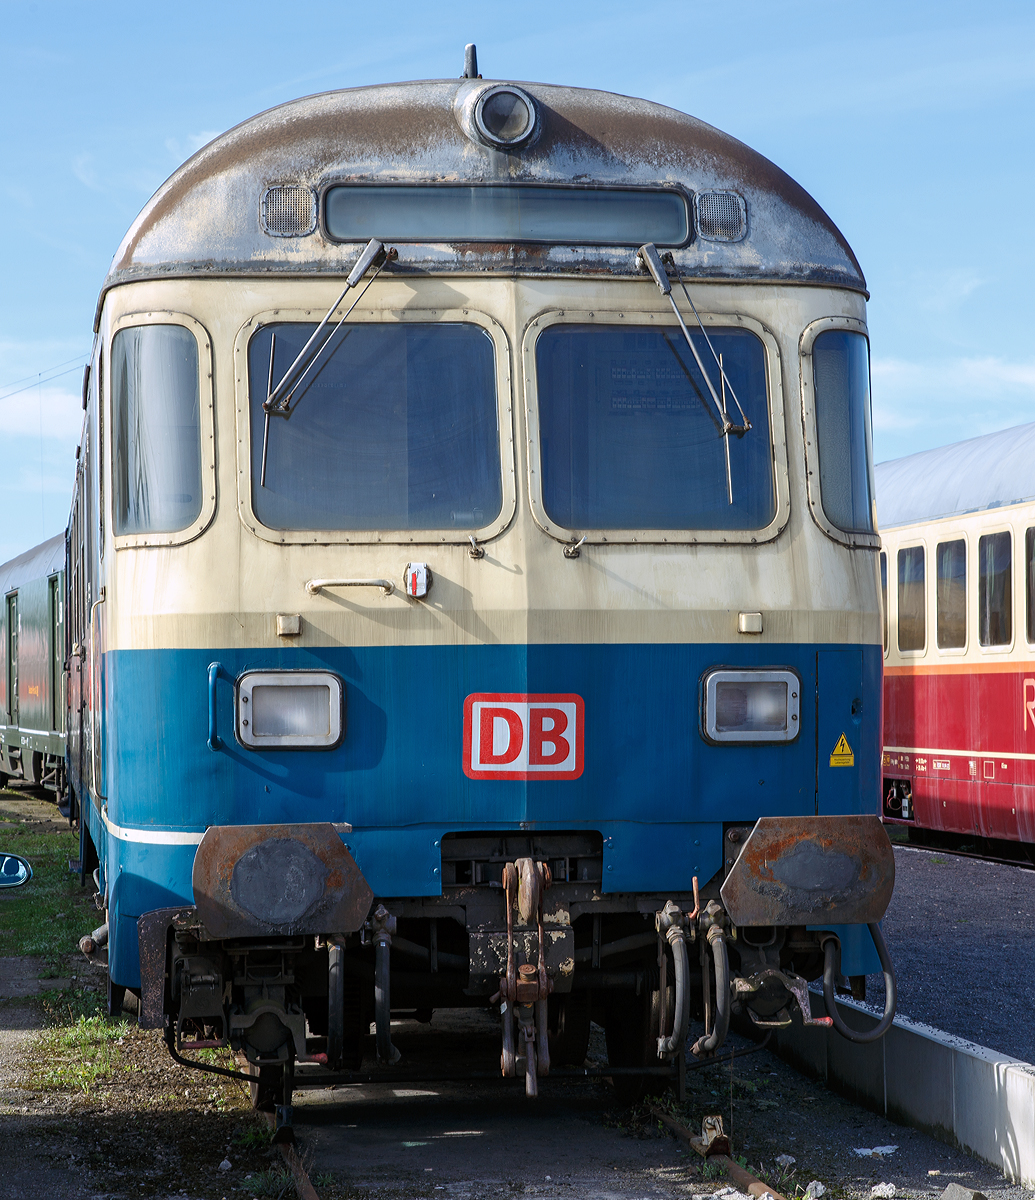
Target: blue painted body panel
[[651, 785]]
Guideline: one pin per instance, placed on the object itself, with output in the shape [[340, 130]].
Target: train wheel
[[632, 1025], [266, 1087], [568, 1027]]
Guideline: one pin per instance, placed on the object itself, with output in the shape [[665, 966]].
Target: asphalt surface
[[469, 1141], [960, 932]]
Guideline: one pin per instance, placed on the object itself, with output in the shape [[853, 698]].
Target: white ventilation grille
[[288, 211], [721, 216]]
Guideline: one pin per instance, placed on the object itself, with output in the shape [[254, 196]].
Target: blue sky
[[910, 122]]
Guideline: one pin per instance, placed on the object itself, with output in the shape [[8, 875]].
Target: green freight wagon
[[32, 667]]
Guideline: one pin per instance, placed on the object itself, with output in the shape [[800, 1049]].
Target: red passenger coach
[[957, 577]]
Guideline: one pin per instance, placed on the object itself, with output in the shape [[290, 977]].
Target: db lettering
[[517, 736]]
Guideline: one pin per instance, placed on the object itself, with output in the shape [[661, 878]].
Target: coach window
[[951, 559], [841, 374], [156, 429], [884, 595], [912, 627], [629, 437], [395, 428], [1029, 582], [995, 612]]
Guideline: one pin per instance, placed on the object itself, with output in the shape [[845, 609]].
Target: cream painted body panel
[[226, 585]]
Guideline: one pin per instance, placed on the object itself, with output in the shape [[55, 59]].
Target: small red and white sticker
[[517, 736]]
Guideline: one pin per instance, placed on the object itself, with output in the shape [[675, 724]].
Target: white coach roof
[[983, 472]]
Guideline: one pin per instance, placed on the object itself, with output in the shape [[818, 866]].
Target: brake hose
[[831, 967], [720, 1026], [681, 962]]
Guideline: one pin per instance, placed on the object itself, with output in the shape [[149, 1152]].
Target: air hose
[[831, 967], [720, 1026], [681, 960]]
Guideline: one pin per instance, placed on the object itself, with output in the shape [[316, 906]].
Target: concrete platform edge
[[954, 1090]]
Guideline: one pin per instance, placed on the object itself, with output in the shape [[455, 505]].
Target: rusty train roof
[[205, 220]]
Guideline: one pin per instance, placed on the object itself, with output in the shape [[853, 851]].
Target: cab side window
[[156, 429]]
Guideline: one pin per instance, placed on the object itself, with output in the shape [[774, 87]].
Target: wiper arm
[[648, 257], [278, 399]]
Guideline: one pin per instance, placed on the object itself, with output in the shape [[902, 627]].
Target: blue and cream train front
[[512, 609]]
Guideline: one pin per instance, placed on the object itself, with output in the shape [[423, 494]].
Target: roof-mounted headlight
[[279, 710], [750, 706], [500, 115]]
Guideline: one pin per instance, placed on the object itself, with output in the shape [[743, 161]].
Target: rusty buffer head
[[812, 870], [287, 880]]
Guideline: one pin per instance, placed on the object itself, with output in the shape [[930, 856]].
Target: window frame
[[389, 537], [862, 541], [884, 589], [684, 193], [913, 544], [990, 531], [777, 428], [1029, 583], [179, 537], [940, 539]]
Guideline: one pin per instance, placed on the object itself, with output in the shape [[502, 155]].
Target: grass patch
[[274, 1181], [47, 916], [65, 1006], [81, 1054]]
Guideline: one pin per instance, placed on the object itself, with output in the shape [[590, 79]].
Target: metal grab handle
[[215, 742], [95, 715], [315, 585]]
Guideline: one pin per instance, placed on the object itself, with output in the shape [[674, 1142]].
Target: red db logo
[[513, 736]]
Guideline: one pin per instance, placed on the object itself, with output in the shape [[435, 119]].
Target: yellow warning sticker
[[841, 755]]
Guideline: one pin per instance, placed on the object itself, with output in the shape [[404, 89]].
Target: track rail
[[1023, 864], [717, 1149], [303, 1184]]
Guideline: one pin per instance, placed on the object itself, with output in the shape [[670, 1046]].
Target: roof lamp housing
[[500, 115]]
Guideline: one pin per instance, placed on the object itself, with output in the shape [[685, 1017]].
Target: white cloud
[[918, 405], [945, 291], [85, 170], [182, 148], [57, 409], [35, 489]]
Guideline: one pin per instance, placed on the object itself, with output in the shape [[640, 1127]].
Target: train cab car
[[958, 574], [479, 597], [32, 667]]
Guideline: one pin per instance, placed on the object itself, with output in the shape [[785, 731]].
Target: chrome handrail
[[95, 715], [315, 585]]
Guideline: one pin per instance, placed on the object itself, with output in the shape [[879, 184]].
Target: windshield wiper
[[278, 399], [648, 257]]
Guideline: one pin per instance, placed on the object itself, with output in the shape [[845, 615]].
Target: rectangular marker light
[[751, 706], [290, 709]]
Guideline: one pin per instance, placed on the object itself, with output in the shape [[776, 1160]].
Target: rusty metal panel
[[488, 950], [808, 870], [204, 221], [279, 880], [153, 936]]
